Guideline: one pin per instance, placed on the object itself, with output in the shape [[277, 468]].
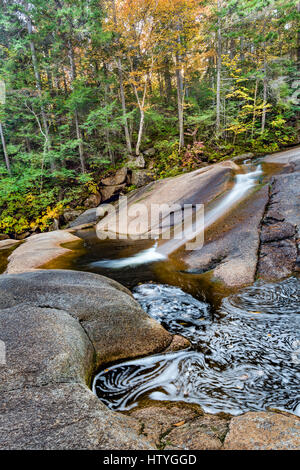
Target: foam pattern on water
[[245, 358], [178, 312]]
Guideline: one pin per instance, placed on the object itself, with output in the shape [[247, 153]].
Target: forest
[[88, 85]]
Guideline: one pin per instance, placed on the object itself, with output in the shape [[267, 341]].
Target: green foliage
[[77, 81]]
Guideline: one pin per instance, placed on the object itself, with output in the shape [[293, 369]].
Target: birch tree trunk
[[264, 111], [6, 157]]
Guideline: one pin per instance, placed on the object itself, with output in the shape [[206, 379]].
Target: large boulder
[[38, 250], [242, 157], [118, 178], [93, 200], [43, 345], [63, 416], [85, 219], [136, 161], [140, 178], [58, 327], [114, 322], [107, 192], [263, 431]]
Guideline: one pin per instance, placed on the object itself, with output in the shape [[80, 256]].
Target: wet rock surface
[[231, 245], [197, 187]]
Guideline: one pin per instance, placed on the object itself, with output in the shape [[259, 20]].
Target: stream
[[244, 356], [245, 344]]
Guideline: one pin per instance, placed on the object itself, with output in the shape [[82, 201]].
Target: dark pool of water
[[244, 356], [4, 254]]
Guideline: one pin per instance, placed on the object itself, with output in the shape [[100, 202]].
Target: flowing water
[[243, 184], [245, 346], [244, 356]]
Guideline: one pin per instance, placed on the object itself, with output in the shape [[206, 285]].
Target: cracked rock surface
[[280, 228]]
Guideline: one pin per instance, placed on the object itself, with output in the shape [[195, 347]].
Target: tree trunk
[[254, 108], [141, 105], [219, 64], [76, 117], [106, 98], [123, 101], [141, 128], [80, 145], [167, 80], [6, 157], [298, 41], [179, 82], [264, 111], [122, 93], [39, 88]]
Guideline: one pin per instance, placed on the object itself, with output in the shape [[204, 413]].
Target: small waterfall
[[243, 183], [146, 256]]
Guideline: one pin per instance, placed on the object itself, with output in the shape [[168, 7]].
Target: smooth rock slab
[[263, 431], [287, 156], [58, 327], [64, 416], [199, 186]]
